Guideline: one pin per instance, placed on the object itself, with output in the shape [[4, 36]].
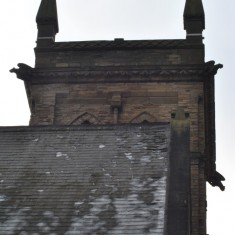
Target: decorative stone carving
[[211, 68], [143, 117], [216, 179], [24, 71], [85, 118], [107, 74]]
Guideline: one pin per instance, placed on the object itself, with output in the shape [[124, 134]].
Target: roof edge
[[81, 127]]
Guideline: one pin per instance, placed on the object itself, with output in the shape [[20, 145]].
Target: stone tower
[[86, 84]]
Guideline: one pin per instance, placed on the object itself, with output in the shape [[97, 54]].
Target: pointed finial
[[47, 21], [194, 20]]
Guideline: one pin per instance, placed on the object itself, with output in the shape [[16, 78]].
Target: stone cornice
[[119, 44], [116, 74], [109, 74]]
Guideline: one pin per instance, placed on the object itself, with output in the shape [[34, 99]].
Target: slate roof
[[84, 180]]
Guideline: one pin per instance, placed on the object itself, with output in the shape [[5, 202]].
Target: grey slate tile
[[84, 180]]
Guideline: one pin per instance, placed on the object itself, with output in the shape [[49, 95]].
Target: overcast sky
[[130, 19]]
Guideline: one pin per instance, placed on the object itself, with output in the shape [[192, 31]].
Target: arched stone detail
[[143, 117], [85, 118]]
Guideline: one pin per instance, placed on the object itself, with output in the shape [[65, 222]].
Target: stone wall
[[65, 104]]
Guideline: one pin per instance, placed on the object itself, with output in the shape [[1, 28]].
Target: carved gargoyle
[[23, 72], [211, 68], [216, 179]]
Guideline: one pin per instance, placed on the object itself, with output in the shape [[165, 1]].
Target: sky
[[130, 19]]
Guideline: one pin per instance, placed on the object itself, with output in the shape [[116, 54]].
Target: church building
[[121, 138]]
